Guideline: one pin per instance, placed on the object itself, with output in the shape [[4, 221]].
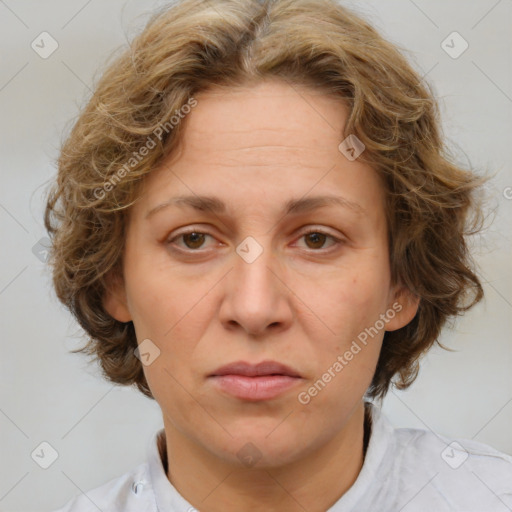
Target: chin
[[264, 454], [260, 446]]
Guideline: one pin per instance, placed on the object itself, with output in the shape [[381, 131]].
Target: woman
[[256, 224]]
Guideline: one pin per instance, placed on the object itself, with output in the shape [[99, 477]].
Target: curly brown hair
[[432, 206]]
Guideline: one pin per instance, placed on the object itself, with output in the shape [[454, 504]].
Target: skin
[[301, 302]]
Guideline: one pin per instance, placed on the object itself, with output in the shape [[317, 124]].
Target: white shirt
[[405, 470]]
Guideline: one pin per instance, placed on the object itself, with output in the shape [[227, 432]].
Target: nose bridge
[[254, 269], [256, 297]]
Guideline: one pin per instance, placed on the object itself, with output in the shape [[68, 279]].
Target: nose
[[257, 296]]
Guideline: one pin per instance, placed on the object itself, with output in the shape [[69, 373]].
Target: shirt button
[[137, 487]]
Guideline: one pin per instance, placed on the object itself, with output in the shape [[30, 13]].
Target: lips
[[255, 370], [254, 382]]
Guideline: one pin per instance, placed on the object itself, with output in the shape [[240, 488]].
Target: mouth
[[255, 382]]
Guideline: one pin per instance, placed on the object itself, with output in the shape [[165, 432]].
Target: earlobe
[[405, 305], [114, 300]]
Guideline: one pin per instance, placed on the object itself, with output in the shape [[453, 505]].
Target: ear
[[114, 299], [405, 305]]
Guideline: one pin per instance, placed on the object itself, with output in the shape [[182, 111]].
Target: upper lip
[[255, 370]]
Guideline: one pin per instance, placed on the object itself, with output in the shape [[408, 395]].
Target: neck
[[313, 483]]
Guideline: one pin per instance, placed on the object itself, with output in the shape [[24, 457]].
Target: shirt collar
[[167, 497]]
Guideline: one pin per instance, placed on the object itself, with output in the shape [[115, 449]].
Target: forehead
[[268, 143], [272, 114]]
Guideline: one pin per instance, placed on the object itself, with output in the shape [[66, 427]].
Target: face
[[262, 271]]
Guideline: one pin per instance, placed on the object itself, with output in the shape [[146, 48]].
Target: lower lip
[[263, 387]]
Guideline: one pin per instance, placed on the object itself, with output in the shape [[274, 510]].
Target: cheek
[[348, 300], [348, 305], [160, 300], [344, 364]]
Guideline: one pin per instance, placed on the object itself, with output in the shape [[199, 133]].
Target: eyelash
[[337, 241]]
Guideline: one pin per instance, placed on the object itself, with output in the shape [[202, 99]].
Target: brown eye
[[189, 241], [193, 240], [315, 240]]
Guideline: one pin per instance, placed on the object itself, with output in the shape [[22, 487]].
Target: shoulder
[[121, 494], [460, 474]]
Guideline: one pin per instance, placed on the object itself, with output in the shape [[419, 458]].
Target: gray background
[[101, 431]]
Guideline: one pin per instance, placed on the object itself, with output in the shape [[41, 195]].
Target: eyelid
[[316, 229]]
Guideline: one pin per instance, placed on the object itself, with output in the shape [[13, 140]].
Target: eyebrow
[[215, 205]]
